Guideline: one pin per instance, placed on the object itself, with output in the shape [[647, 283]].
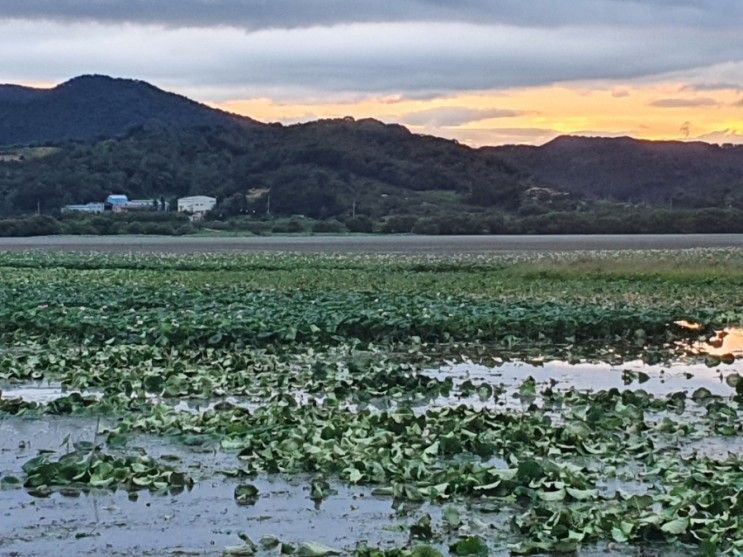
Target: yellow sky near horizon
[[670, 110], [539, 113]]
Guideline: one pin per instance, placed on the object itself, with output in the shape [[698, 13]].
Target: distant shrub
[[30, 226], [328, 226], [135, 228], [462, 224], [399, 224], [290, 226], [360, 223], [216, 225], [426, 225], [496, 224]]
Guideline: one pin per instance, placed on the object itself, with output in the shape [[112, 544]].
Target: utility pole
[[38, 208], [268, 203]]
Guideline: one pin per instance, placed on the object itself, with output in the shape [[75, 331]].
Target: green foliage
[[84, 469], [321, 367], [320, 170], [473, 545], [127, 136], [246, 494], [664, 173]]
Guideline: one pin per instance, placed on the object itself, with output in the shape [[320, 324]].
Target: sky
[[483, 72]]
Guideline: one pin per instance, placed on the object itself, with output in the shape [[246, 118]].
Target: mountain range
[[94, 135]]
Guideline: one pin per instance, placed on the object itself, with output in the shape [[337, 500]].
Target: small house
[[143, 205], [117, 199], [85, 208], [196, 204], [117, 202]]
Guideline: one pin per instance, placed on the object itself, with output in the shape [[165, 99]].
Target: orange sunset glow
[[486, 73], [669, 110]]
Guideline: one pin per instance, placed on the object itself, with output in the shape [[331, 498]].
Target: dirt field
[[369, 244]]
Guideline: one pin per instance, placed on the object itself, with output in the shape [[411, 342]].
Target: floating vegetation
[[513, 404], [86, 468]]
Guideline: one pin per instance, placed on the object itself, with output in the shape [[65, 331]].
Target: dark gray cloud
[[684, 103], [259, 14], [717, 86], [454, 116], [387, 58]]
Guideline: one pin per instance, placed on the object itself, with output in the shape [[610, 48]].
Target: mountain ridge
[[90, 107], [129, 136]]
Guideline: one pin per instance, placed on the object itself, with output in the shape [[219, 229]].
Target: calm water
[[370, 244]]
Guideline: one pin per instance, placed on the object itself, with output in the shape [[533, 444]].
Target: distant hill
[[322, 169], [688, 174], [107, 135], [94, 107]]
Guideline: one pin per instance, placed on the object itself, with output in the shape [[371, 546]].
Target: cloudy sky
[[480, 71]]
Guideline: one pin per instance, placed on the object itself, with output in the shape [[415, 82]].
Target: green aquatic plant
[[86, 468]]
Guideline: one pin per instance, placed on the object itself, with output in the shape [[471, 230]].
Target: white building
[[143, 205], [86, 208], [196, 204]]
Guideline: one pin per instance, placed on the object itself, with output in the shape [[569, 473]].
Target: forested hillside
[[90, 108], [319, 170], [95, 135], [671, 173]]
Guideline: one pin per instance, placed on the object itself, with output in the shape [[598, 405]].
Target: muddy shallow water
[[206, 519], [200, 521]]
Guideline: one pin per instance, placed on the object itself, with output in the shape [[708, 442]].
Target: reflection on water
[[201, 521], [728, 342], [684, 324], [658, 380], [43, 393]]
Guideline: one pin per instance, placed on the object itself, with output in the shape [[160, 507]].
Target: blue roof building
[[117, 199]]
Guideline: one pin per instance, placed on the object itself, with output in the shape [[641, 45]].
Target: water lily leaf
[[244, 550], [9, 482], [232, 444], [558, 495], [246, 494], [423, 550], [116, 440], [581, 494], [319, 488], [473, 545], [422, 528], [701, 394], [269, 542], [528, 388], [312, 549], [529, 470], [676, 527], [451, 517], [354, 476]]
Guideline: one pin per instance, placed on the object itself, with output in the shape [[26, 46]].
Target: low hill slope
[[689, 174]]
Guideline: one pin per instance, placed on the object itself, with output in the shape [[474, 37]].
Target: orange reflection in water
[[684, 324], [727, 342]]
